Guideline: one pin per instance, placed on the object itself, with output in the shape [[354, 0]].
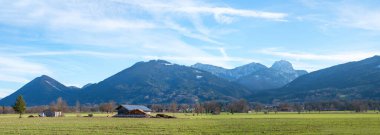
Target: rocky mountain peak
[[283, 65]]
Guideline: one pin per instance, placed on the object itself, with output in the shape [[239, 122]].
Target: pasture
[[281, 123]]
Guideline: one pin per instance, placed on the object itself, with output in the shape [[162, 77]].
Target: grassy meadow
[[281, 123]]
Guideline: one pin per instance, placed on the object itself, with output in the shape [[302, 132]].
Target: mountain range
[[159, 81], [349, 81], [156, 81], [256, 76]]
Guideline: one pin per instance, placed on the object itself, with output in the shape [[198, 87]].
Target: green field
[[281, 123]]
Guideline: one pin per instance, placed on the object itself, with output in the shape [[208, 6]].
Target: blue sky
[[85, 41]]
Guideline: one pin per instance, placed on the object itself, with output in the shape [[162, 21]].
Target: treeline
[[212, 107], [337, 105], [62, 106], [242, 106], [209, 107]]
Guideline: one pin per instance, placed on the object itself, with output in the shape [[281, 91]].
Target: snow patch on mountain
[[53, 85], [197, 71]]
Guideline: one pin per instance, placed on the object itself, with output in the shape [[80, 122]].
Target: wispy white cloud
[[342, 14], [314, 61], [15, 69], [66, 14], [221, 11], [361, 17], [167, 11], [342, 57], [75, 52], [116, 15], [197, 7], [116, 29], [5, 92], [223, 52], [201, 36]]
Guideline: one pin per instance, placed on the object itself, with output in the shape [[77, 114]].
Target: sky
[[85, 41]]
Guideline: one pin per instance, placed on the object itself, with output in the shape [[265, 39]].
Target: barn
[[133, 111], [49, 113]]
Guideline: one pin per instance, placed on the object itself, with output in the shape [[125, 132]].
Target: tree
[[157, 108], [238, 106], [110, 106], [173, 107], [298, 107], [184, 108], [198, 108], [20, 105], [107, 107], [212, 107], [53, 107], [3, 109], [258, 107], [61, 105], [77, 107]]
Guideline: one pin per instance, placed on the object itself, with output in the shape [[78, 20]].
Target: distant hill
[[255, 75], [353, 80], [159, 81], [42, 91]]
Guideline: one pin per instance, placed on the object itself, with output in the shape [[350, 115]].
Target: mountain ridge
[[159, 81], [155, 81], [348, 81], [255, 75]]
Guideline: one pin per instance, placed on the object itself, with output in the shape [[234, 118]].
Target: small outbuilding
[[133, 111], [49, 113]]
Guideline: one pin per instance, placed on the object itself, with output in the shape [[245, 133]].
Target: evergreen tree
[[20, 105]]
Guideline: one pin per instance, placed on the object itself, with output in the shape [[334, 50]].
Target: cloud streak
[[343, 14], [340, 57], [315, 61], [50, 33], [15, 69]]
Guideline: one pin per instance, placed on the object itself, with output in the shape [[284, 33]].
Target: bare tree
[[360, 106], [36, 109], [298, 107], [173, 107], [258, 107], [3, 109], [77, 107], [111, 106], [61, 105], [284, 107], [53, 106], [184, 108], [103, 107], [238, 106], [157, 108], [198, 108], [212, 107]]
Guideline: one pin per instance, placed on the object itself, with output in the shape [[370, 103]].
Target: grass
[[281, 123]]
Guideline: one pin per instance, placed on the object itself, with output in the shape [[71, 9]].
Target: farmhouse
[[49, 113], [134, 111]]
